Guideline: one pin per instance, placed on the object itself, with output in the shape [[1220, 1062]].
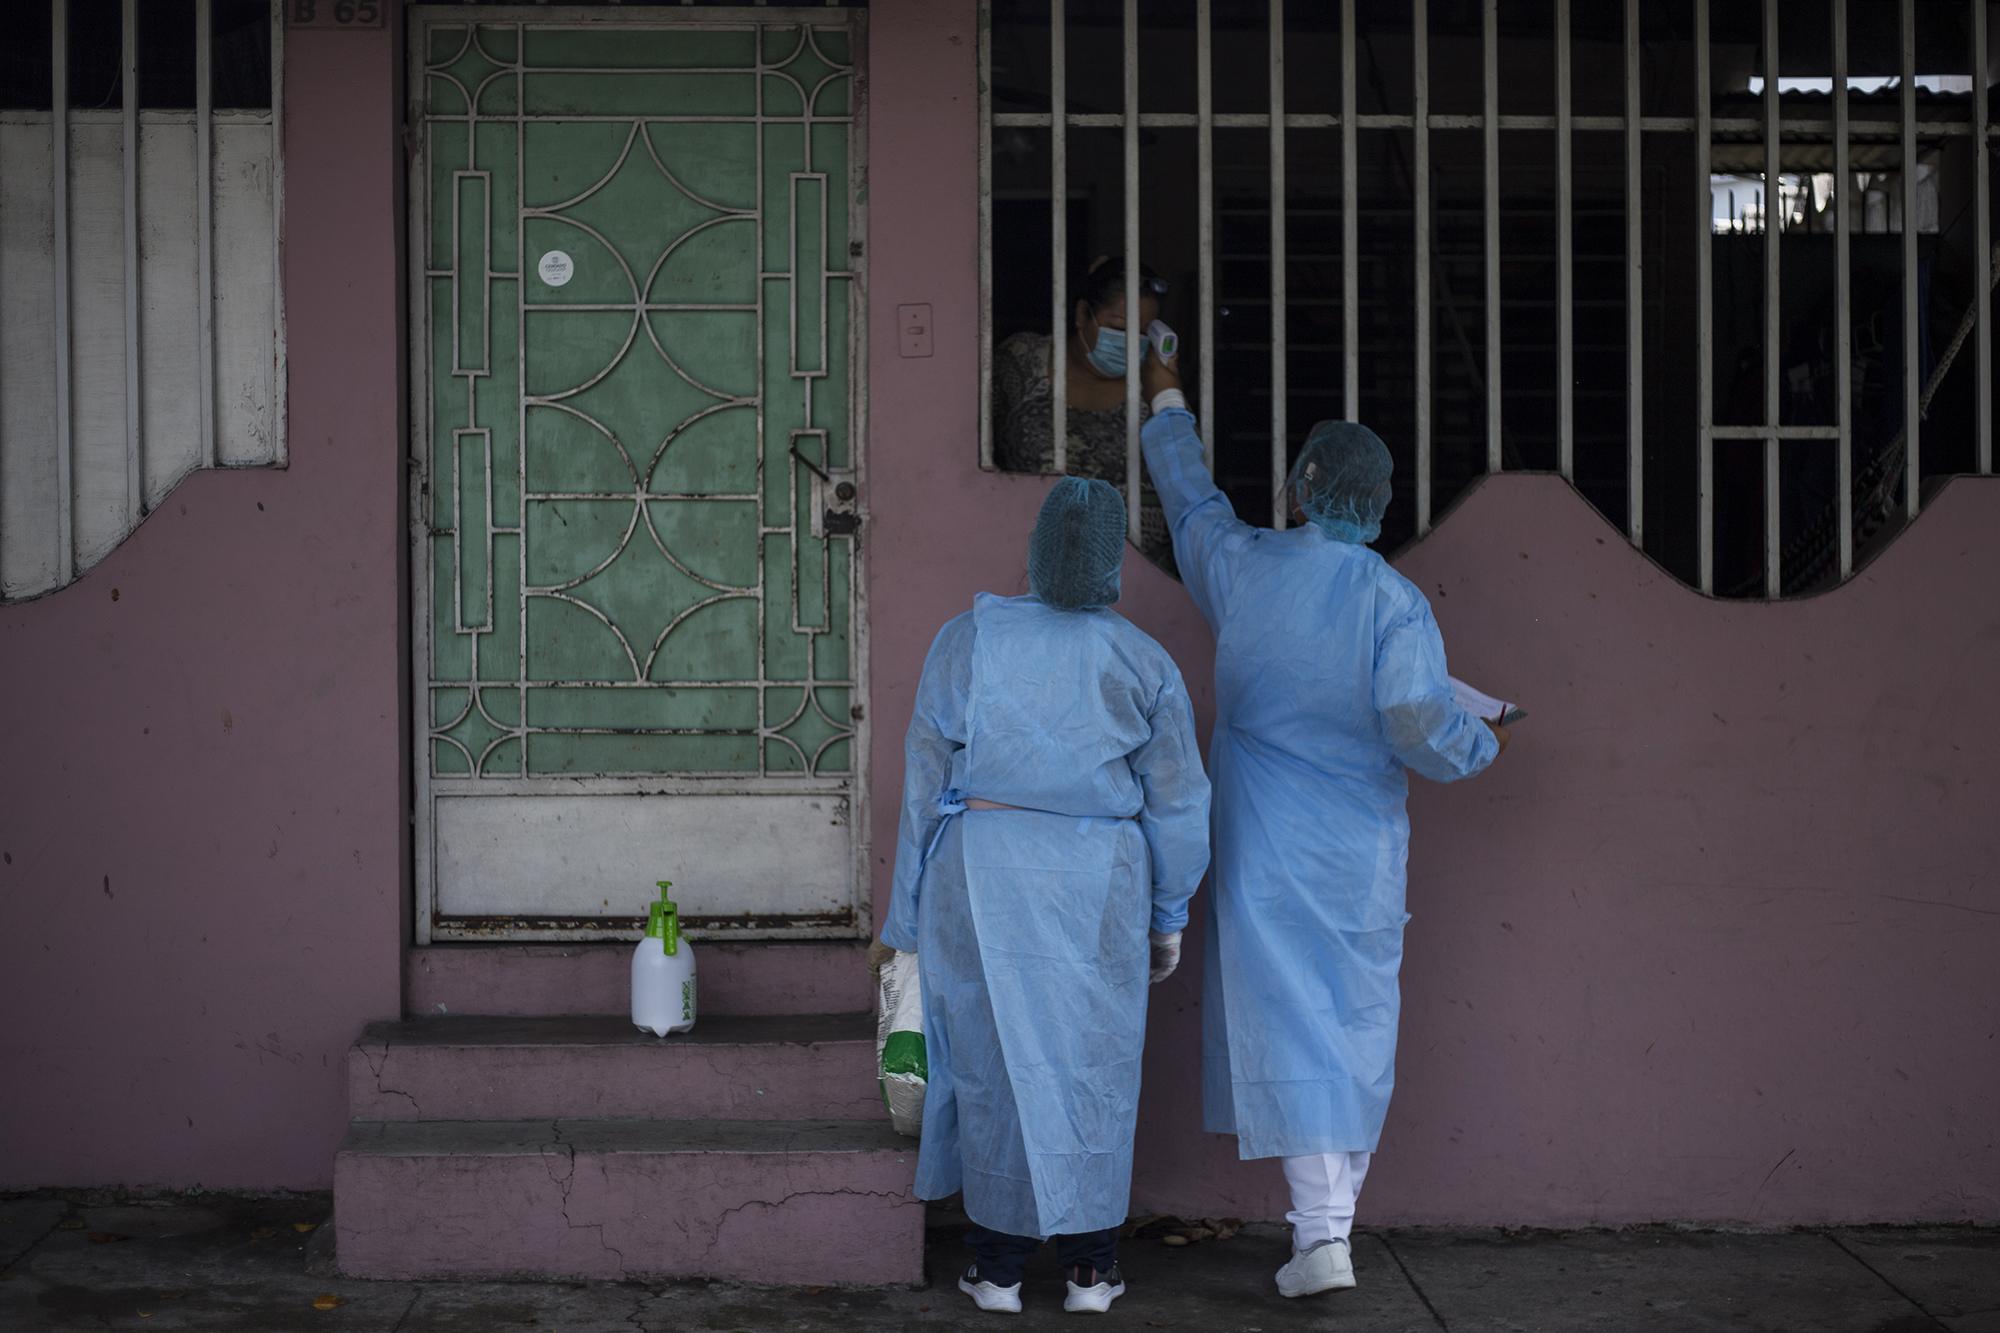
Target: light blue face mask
[[1107, 358]]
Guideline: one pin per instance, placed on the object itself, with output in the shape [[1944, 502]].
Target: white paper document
[[1483, 705]]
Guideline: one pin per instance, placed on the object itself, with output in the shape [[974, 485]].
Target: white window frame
[[61, 119]]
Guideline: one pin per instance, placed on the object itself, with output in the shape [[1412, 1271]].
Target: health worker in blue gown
[[1330, 689], [1054, 827]]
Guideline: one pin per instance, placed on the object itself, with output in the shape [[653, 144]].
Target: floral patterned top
[[1024, 435]]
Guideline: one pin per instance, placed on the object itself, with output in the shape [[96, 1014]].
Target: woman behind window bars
[[1054, 813], [1330, 686], [1101, 339]]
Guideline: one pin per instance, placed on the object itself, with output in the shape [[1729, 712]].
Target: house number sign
[[334, 13]]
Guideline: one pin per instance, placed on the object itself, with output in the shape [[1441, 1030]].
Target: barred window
[[1526, 235]]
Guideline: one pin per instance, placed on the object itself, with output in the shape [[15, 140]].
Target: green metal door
[[636, 506]]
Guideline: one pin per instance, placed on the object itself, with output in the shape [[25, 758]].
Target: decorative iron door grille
[[635, 507]]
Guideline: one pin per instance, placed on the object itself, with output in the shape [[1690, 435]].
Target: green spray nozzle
[[663, 920]]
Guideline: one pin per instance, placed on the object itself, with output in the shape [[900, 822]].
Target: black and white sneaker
[[1091, 1292], [987, 1296]]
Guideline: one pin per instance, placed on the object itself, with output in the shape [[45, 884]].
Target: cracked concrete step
[[807, 1202], [800, 1067]]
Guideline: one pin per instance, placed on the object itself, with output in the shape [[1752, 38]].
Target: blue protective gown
[[1330, 681], [1031, 923]]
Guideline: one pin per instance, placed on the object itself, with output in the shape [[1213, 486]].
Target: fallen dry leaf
[[1153, 1228], [329, 1301], [1175, 1239], [263, 1233], [1133, 1224], [303, 1227], [71, 1224]]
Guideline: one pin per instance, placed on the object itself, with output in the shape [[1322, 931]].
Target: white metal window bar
[[1490, 212], [1421, 98], [59, 175], [1131, 199], [1204, 84], [1280, 345], [1907, 50], [204, 170], [1350, 220], [1843, 354], [1635, 305], [1982, 229], [1773, 234], [1704, 282], [1565, 261], [1770, 129], [135, 485], [42, 551], [1058, 241]]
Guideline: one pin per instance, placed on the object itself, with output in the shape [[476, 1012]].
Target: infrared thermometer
[[1166, 343]]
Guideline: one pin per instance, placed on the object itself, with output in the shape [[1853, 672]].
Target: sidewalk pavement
[[224, 1264]]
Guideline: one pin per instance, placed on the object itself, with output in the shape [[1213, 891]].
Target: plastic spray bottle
[[663, 971]]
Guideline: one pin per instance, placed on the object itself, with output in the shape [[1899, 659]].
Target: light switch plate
[[913, 329]]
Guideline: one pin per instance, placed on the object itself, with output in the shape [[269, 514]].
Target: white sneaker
[[1094, 1299], [1327, 1266], [988, 1297]]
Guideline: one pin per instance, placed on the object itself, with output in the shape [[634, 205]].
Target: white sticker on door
[[556, 268]]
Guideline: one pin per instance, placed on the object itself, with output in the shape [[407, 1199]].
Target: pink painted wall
[[202, 828], [1714, 942]]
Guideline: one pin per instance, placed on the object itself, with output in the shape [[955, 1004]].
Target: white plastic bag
[[900, 1058]]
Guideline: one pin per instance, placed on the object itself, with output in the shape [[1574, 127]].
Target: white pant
[[1324, 1188]]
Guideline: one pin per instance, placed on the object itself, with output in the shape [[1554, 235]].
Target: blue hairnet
[[1078, 545], [1341, 481]]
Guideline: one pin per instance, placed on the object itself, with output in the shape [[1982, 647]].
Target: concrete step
[[798, 1067], [807, 1202]]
